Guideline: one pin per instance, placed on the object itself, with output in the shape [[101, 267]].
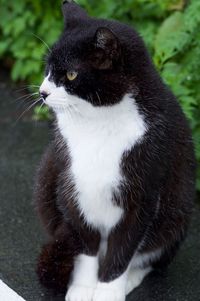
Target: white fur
[[84, 279], [112, 291], [139, 260], [96, 137], [117, 290], [80, 293], [102, 248], [136, 271], [135, 277], [85, 270]]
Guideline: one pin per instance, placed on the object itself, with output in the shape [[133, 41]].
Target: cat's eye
[[71, 75]]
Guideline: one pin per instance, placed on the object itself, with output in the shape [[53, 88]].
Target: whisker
[[26, 101], [25, 111], [76, 110], [98, 97], [42, 104], [42, 41], [26, 96], [40, 107], [91, 98], [27, 87], [71, 113], [67, 113]]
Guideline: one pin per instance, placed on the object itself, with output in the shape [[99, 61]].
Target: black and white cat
[[115, 188]]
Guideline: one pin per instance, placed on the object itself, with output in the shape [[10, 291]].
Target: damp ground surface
[[21, 146]]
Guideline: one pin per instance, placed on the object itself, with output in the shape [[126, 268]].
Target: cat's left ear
[[72, 13], [107, 48]]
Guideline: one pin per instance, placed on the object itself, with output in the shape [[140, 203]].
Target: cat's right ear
[[107, 48], [72, 13]]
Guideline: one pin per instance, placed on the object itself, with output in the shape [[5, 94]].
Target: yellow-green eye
[[71, 75]]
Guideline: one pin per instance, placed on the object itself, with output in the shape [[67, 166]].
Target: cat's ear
[[72, 13], [107, 48]]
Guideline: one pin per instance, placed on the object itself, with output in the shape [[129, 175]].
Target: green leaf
[[17, 70], [170, 38], [41, 113]]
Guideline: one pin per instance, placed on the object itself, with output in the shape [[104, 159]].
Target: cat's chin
[[60, 108]]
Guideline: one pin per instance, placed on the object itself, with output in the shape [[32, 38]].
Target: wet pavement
[[21, 145]]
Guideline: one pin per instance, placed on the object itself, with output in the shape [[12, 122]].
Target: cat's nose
[[43, 94]]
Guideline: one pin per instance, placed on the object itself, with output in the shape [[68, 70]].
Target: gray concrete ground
[[21, 145]]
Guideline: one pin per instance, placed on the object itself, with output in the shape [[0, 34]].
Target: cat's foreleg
[[113, 273], [85, 274], [135, 277], [56, 258]]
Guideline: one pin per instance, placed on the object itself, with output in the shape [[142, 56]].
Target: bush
[[170, 29]]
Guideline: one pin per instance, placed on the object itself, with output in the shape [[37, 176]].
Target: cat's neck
[[87, 118]]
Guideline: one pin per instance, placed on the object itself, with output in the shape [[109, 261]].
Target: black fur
[[160, 171]]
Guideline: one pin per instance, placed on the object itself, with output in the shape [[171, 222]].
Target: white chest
[[96, 147]]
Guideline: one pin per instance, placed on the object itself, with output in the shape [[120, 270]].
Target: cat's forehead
[[71, 48]]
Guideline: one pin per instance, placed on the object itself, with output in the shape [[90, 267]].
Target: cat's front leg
[[84, 279], [113, 272], [114, 290], [85, 274]]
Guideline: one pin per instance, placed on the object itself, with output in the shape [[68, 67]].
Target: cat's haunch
[[115, 188]]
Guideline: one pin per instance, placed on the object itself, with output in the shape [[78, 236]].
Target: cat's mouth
[[53, 96], [60, 101], [54, 101], [50, 102], [60, 105], [57, 105]]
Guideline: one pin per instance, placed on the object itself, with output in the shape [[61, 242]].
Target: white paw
[[106, 294], [135, 278], [131, 285], [79, 293]]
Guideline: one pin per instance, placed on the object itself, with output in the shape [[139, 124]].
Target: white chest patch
[[97, 137]]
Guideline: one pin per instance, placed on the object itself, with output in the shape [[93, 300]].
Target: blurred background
[[170, 29]]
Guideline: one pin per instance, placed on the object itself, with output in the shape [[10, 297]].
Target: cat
[[115, 188]]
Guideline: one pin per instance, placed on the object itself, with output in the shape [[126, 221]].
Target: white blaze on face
[[57, 96], [47, 86], [62, 102]]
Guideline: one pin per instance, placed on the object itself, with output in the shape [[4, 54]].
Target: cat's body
[[92, 143], [116, 186]]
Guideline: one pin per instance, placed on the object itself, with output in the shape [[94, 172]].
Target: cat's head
[[91, 63]]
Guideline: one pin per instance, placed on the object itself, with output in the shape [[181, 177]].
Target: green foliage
[[169, 28], [23, 24], [41, 113]]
